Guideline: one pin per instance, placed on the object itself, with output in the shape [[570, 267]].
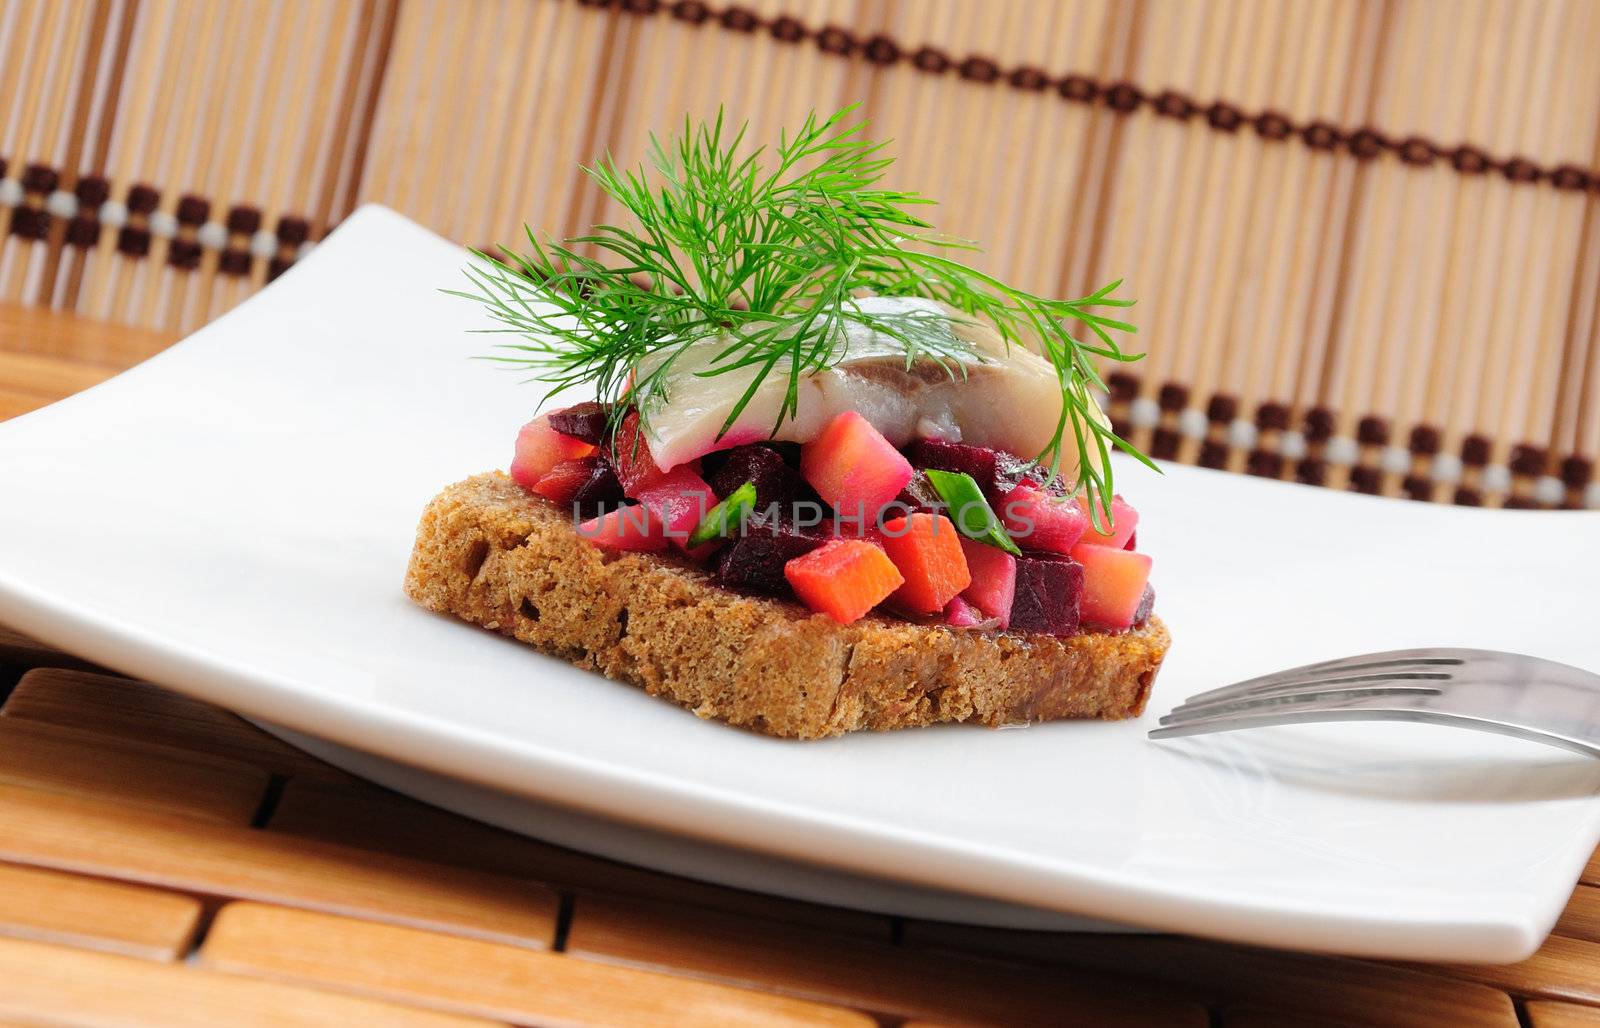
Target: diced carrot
[[926, 548], [843, 578]]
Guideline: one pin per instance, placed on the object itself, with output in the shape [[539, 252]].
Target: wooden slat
[[70, 760], [363, 815], [1250, 1017], [870, 976], [15, 402], [74, 834], [79, 340], [1581, 918], [481, 978], [1290, 983], [22, 651], [57, 985], [49, 377], [135, 710], [1591, 872], [1548, 1014], [1562, 969], [47, 906]]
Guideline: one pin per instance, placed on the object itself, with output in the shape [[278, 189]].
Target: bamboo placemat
[[164, 863], [1363, 234]]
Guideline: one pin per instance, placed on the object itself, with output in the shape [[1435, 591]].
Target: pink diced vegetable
[[681, 498], [994, 580], [540, 448], [1113, 584], [962, 614], [1124, 519], [852, 466], [1039, 521], [626, 528]]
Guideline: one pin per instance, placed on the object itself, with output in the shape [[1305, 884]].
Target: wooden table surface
[[163, 862]]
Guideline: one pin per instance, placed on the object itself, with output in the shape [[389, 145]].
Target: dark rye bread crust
[[489, 553]]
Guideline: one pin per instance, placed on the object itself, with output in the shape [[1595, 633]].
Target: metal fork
[[1504, 693]]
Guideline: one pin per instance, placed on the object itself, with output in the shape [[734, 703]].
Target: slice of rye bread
[[491, 554]]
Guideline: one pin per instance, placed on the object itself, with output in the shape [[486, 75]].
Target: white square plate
[[233, 519]]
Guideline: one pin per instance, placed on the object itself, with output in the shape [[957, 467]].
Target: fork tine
[[1420, 660], [1298, 697], [1303, 716], [1348, 704], [1326, 685], [1375, 709]]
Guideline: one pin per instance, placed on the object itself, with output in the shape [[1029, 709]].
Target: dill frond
[[771, 260]]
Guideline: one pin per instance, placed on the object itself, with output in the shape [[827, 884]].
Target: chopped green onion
[[973, 516], [725, 518]]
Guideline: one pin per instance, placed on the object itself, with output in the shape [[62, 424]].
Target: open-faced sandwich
[[831, 478]]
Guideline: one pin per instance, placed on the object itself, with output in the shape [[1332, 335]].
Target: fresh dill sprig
[[772, 261]]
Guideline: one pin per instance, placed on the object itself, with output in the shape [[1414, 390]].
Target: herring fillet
[[1010, 398]]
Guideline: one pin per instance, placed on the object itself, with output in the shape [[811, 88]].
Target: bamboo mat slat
[[1545, 1014], [347, 904], [1363, 236], [373, 818], [881, 978], [46, 756], [61, 985], [481, 978], [93, 834], [71, 910], [107, 706]]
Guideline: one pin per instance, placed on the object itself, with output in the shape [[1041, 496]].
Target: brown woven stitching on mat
[[133, 239], [1526, 461], [1365, 143]]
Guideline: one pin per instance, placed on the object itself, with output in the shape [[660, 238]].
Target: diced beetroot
[[1011, 471], [562, 482], [754, 559], [1039, 521], [994, 580], [775, 481], [1124, 519], [843, 579], [540, 448], [1147, 606], [586, 421], [852, 466], [626, 528], [962, 614], [926, 548], [681, 498], [1048, 593], [1113, 584], [978, 461], [630, 455], [587, 485], [601, 493]]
